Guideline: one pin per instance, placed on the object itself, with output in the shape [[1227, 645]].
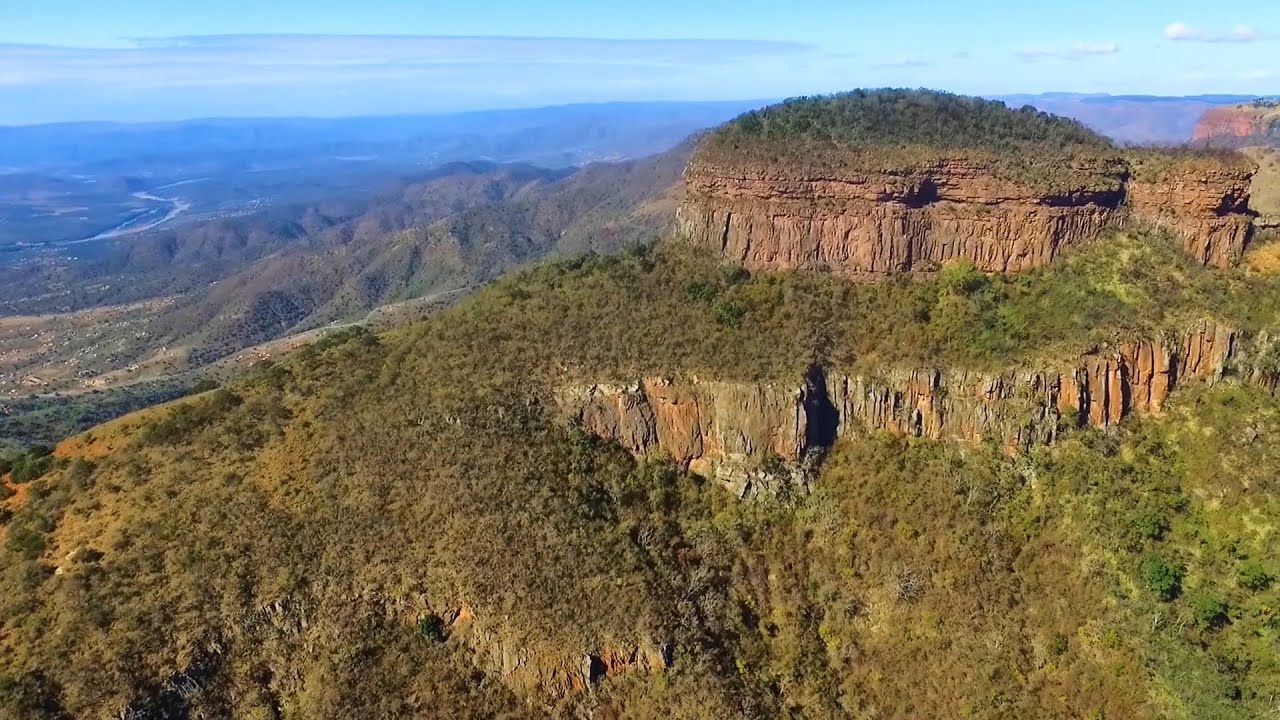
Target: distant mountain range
[[1132, 119], [72, 182]]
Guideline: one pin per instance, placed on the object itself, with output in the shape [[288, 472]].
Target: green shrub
[[962, 278], [1253, 575], [431, 628], [1210, 612], [1161, 577], [1269, 361], [735, 275], [203, 386], [27, 539], [79, 473], [1058, 645], [29, 696], [729, 313], [186, 420], [1148, 525], [31, 464], [700, 290]]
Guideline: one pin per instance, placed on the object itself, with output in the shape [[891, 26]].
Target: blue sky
[[147, 60]]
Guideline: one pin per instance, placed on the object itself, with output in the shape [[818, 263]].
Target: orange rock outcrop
[[717, 428], [1238, 126], [1204, 200], [906, 221], [889, 223]]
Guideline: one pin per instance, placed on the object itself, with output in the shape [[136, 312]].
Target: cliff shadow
[[823, 420], [926, 193]]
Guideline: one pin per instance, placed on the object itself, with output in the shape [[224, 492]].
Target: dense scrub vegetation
[[1166, 164], [671, 310], [45, 419], [285, 548], [299, 544], [893, 130]]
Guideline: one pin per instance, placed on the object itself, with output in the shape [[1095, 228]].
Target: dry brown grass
[[1263, 260], [110, 437], [1266, 184]]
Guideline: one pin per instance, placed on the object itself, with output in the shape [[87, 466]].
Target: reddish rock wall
[[1238, 126], [718, 428], [887, 223], [1207, 207]]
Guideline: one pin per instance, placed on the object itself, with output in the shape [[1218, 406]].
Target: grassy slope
[[366, 477]]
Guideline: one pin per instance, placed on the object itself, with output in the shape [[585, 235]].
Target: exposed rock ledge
[[723, 429], [552, 672], [1204, 202], [906, 221]]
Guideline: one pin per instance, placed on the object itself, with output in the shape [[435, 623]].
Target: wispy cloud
[[1038, 52], [1257, 75], [274, 75], [1182, 32], [1109, 48], [1075, 52], [903, 63], [283, 59]]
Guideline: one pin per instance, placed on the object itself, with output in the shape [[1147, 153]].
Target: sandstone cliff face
[[708, 427], [723, 429], [889, 223], [885, 223], [1238, 126], [1207, 206]]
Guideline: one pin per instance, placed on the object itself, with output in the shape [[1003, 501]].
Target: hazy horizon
[[1224, 98], [141, 61]]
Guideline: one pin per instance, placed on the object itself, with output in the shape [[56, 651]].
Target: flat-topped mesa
[[1202, 197], [892, 181], [882, 182]]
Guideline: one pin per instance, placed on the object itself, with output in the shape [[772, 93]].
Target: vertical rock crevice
[[727, 430]]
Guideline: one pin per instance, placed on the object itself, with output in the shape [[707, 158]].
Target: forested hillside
[[405, 525]]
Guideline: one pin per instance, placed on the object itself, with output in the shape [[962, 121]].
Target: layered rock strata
[[918, 219], [1204, 202], [720, 429], [887, 223]]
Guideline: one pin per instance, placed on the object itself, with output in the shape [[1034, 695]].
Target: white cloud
[[265, 60], [1075, 52], [1256, 75], [1095, 49], [1182, 32], [904, 63], [1037, 52]]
